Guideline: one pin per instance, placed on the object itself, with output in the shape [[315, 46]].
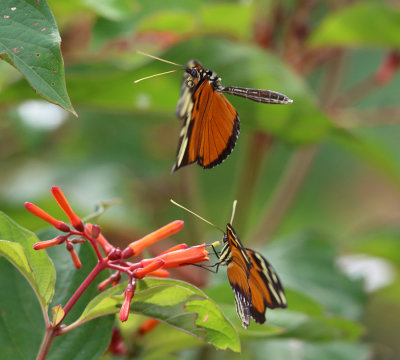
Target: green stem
[[46, 343]]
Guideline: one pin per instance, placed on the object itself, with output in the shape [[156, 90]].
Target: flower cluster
[[115, 258]]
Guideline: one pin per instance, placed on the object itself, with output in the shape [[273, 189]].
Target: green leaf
[[174, 302], [361, 24], [21, 319], [35, 266], [29, 38], [169, 341]]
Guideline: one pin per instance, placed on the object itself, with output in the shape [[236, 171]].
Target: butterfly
[[254, 282], [211, 124]]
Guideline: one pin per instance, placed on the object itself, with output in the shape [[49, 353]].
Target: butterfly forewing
[[238, 271], [210, 123]]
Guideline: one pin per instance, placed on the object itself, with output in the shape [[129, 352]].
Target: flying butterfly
[[210, 123], [254, 282]]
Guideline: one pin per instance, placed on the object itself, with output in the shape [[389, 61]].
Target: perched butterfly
[[254, 281], [210, 123]]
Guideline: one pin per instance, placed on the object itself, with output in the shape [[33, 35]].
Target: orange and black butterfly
[[254, 282], [210, 123]]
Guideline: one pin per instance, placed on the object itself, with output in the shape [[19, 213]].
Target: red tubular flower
[[37, 211], [161, 273], [147, 326], [74, 256], [192, 255], [174, 248], [75, 220], [137, 246], [151, 267], [101, 240], [126, 305], [48, 243]]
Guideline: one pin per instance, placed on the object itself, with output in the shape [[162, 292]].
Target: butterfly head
[[194, 73]]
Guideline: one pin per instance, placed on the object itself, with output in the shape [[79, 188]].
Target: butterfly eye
[[193, 72], [225, 239], [189, 83]]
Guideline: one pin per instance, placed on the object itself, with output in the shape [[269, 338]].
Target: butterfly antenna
[[233, 211], [159, 74], [197, 215], [157, 58]]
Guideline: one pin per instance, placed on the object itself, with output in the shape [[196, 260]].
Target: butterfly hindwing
[[266, 288], [210, 123]]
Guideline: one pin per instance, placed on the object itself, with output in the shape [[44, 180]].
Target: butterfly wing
[[265, 286], [210, 123], [238, 270]]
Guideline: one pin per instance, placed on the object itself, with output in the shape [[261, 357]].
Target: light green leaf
[[174, 302], [17, 247], [361, 24], [29, 38]]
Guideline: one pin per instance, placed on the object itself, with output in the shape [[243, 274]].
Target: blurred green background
[[317, 182]]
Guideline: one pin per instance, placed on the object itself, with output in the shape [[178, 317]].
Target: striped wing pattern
[[255, 283]]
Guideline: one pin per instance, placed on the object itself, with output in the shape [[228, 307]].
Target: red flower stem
[[120, 268], [94, 244], [78, 293]]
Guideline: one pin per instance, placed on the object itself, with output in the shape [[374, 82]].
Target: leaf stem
[[46, 343]]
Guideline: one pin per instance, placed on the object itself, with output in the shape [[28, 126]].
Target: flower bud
[[114, 278], [40, 213], [126, 305], [74, 256], [115, 254], [101, 240], [75, 220], [48, 243]]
